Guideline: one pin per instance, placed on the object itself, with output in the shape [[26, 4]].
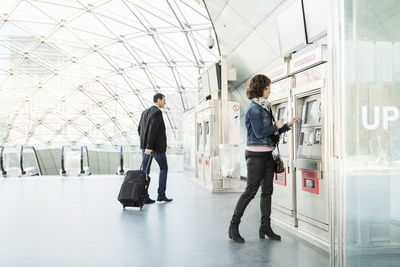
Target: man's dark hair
[[158, 96], [257, 86]]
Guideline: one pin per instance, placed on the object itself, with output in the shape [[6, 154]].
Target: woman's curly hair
[[257, 86]]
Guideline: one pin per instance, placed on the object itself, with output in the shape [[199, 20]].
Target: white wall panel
[[93, 162], [41, 164], [231, 29], [46, 162], [132, 160], [268, 30], [273, 64], [291, 27], [56, 154], [239, 95], [175, 164], [396, 63], [391, 26], [316, 14], [256, 10], [50, 167], [114, 162], [242, 72], [103, 162], [255, 52], [385, 9], [50, 161]]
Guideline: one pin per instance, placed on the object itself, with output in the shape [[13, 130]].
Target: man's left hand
[[148, 151]]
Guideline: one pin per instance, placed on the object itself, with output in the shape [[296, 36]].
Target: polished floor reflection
[[77, 221]]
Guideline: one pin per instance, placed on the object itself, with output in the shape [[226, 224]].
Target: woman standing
[[258, 154]]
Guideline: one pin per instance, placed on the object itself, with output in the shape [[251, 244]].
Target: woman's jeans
[[260, 171]]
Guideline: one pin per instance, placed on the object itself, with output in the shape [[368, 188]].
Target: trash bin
[[230, 165]]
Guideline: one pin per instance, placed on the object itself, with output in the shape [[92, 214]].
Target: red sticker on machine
[[309, 181]]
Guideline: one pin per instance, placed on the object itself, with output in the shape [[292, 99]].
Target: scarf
[[262, 102]]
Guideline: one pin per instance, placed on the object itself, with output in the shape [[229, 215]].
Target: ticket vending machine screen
[[199, 136], [207, 135], [312, 112], [310, 130], [281, 112]]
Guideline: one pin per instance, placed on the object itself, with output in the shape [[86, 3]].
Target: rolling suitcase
[[134, 187]]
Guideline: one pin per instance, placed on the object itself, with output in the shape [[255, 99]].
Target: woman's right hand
[[295, 119], [279, 123]]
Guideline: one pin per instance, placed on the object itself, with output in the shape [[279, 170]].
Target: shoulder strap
[[270, 112], [273, 120]]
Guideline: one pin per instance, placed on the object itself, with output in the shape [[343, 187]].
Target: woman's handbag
[[278, 163]]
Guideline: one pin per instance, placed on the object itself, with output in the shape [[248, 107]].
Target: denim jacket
[[259, 126]]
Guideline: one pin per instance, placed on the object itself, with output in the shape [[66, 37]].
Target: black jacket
[[152, 130]]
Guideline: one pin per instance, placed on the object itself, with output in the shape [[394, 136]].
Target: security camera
[[210, 42]]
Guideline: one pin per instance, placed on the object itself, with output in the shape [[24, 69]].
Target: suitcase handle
[[148, 163]]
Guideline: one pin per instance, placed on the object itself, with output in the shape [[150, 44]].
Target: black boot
[[234, 232], [265, 229]]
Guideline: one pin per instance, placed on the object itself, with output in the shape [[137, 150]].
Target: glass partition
[[366, 52], [72, 161], [30, 161], [11, 161]]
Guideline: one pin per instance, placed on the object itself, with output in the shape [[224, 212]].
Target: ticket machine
[[312, 184], [284, 196], [209, 155], [209, 137], [207, 115], [199, 147]]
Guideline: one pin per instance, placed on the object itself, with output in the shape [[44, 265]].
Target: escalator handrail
[[21, 161], [121, 171], [37, 161], [87, 157], [3, 171], [62, 161], [81, 160]]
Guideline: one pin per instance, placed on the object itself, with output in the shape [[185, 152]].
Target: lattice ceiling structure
[[81, 72]]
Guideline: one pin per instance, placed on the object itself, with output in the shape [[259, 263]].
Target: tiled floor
[[74, 221]]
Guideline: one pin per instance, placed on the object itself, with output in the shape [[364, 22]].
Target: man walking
[[154, 141]]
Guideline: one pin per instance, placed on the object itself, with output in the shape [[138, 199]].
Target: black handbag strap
[[273, 120]]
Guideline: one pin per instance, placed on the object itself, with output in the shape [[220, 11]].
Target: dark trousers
[[259, 172], [161, 159]]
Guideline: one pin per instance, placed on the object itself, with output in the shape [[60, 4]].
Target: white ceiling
[[248, 31], [81, 71]]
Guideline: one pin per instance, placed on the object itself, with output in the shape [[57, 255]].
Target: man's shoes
[[148, 201], [164, 198]]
